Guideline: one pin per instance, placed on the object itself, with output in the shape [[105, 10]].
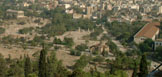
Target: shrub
[[21, 23], [72, 52], [81, 47], [98, 59], [78, 53], [82, 62], [68, 42], [25, 30], [2, 30], [57, 41]]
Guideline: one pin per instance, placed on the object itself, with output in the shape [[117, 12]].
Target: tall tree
[[3, 67], [82, 62], [15, 70], [112, 69], [51, 65], [143, 67], [77, 73], [42, 63], [135, 71], [27, 67]]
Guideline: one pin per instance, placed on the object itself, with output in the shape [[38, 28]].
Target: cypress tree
[[143, 67], [135, 71], [27, 67], [3, 67], [112, 69], [42, 63], [52, 65]]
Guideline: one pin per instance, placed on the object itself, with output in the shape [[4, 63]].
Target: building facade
[[157, 43], [15, 14]]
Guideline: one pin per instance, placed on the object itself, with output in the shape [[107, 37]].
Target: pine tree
[[143, 67], [42, 63], [27, 67]]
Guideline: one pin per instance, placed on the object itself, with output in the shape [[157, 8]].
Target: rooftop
[[149, 30]]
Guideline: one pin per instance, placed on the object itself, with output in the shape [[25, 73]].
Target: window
[[142, 38], [160, 44]]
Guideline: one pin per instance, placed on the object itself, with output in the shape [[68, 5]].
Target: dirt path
[[78, 37], [12, 27], [16, 52], [67, 59]]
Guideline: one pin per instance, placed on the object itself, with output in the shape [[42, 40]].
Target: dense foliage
[[147, 45], [49, 66], [81, 47], [143, 67], [57, 27], [26, 30], [124, 31]]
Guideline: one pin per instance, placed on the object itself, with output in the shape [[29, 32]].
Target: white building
[[15, 14], [77, 16], [135, 7], [160, 9], [67, 6], [157, 43]]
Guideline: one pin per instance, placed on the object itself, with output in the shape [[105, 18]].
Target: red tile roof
[[149, 30]]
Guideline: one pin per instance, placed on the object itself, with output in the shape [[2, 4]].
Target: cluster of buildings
[[113, 10], [14, 14], [121, 10]]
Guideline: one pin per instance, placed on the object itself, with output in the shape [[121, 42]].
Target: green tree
[[1, 13], [146, 45], [81, 47], [15, 70], [2, 30], [159, 52], [27, 67], [68, 42], [149, 42], [135, 71], [78, 73], [42, 63], [78, 9], [52, 65], [57, 41], [82, 62], [72, 52], [143, 67], [3, 67], [112, 69], [99, 59]]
